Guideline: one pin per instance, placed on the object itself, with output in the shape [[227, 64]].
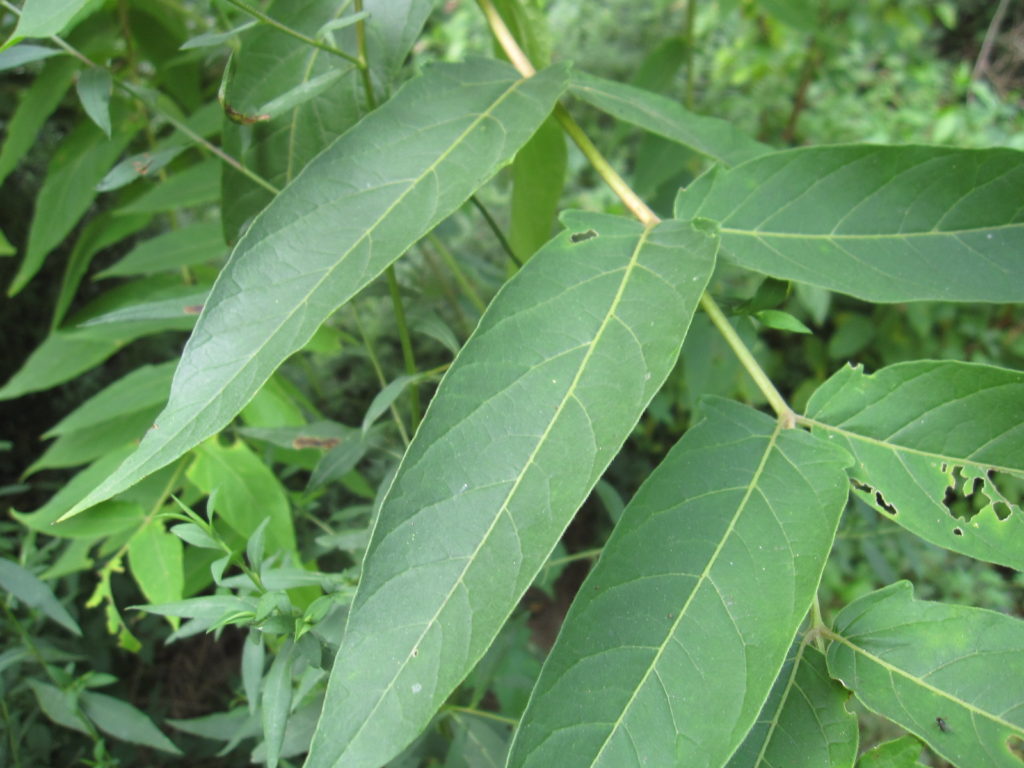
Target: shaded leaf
[[354, 211], [669, 605], [79, 162], [936, 669], [194, 244], [275, 703], [804, 723], [25, 53], [196, 185], [123, 721], [95, 85], [912, 427], [210, 39], [37, 103], [538, 176], [531, 412], [879, 223], [25, 586], [187, 305], [477, 743], [386, 397], [100, 232], [709, 136]]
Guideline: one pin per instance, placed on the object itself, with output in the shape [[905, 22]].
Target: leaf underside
[[675, 638], [534, 408]]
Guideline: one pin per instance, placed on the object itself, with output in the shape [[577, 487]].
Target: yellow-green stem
[[639, 209], [257, 13]]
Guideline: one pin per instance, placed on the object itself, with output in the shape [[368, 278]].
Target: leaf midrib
[[830, 236], [701, 580], [542, 439]]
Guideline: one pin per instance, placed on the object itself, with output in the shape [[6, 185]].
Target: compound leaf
[[698, 582], [533, 409], [879, 223], [352, 212], [912, 427], [947, 673]]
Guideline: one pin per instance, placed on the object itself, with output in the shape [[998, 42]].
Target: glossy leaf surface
[[660, 115], [884, 224], [697, 583], [535, 406], [920, 429], [804, 723], [355, 210], [949, 674]]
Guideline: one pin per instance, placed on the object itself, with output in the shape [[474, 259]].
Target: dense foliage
[[384, 427]]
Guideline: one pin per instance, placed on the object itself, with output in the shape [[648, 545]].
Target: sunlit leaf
[[879, 223], [670, 604], [947, 673], [535, 406], [365, 200]]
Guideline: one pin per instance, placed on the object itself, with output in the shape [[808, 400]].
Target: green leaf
[[912, 427], [55, 705], [67, 353], [275, 702], [99, 233], [156, 561], [253, 657], [385, 398], [338, 461], [727, 508], [947, 673], [81, 160], [804, 723], [210, 39], [95, 86], [187, 305], [531, 412], [138, 391], [23, 54], [879, 223], [538, 176], [477, 743], [6, 249], [709, 136], [25, 586], [898, 753], [247, 491], [356, 209], [781, 321], [43, 18], [37, 103], [196, 185], [140, 166], [123, 721], [196, 243]]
